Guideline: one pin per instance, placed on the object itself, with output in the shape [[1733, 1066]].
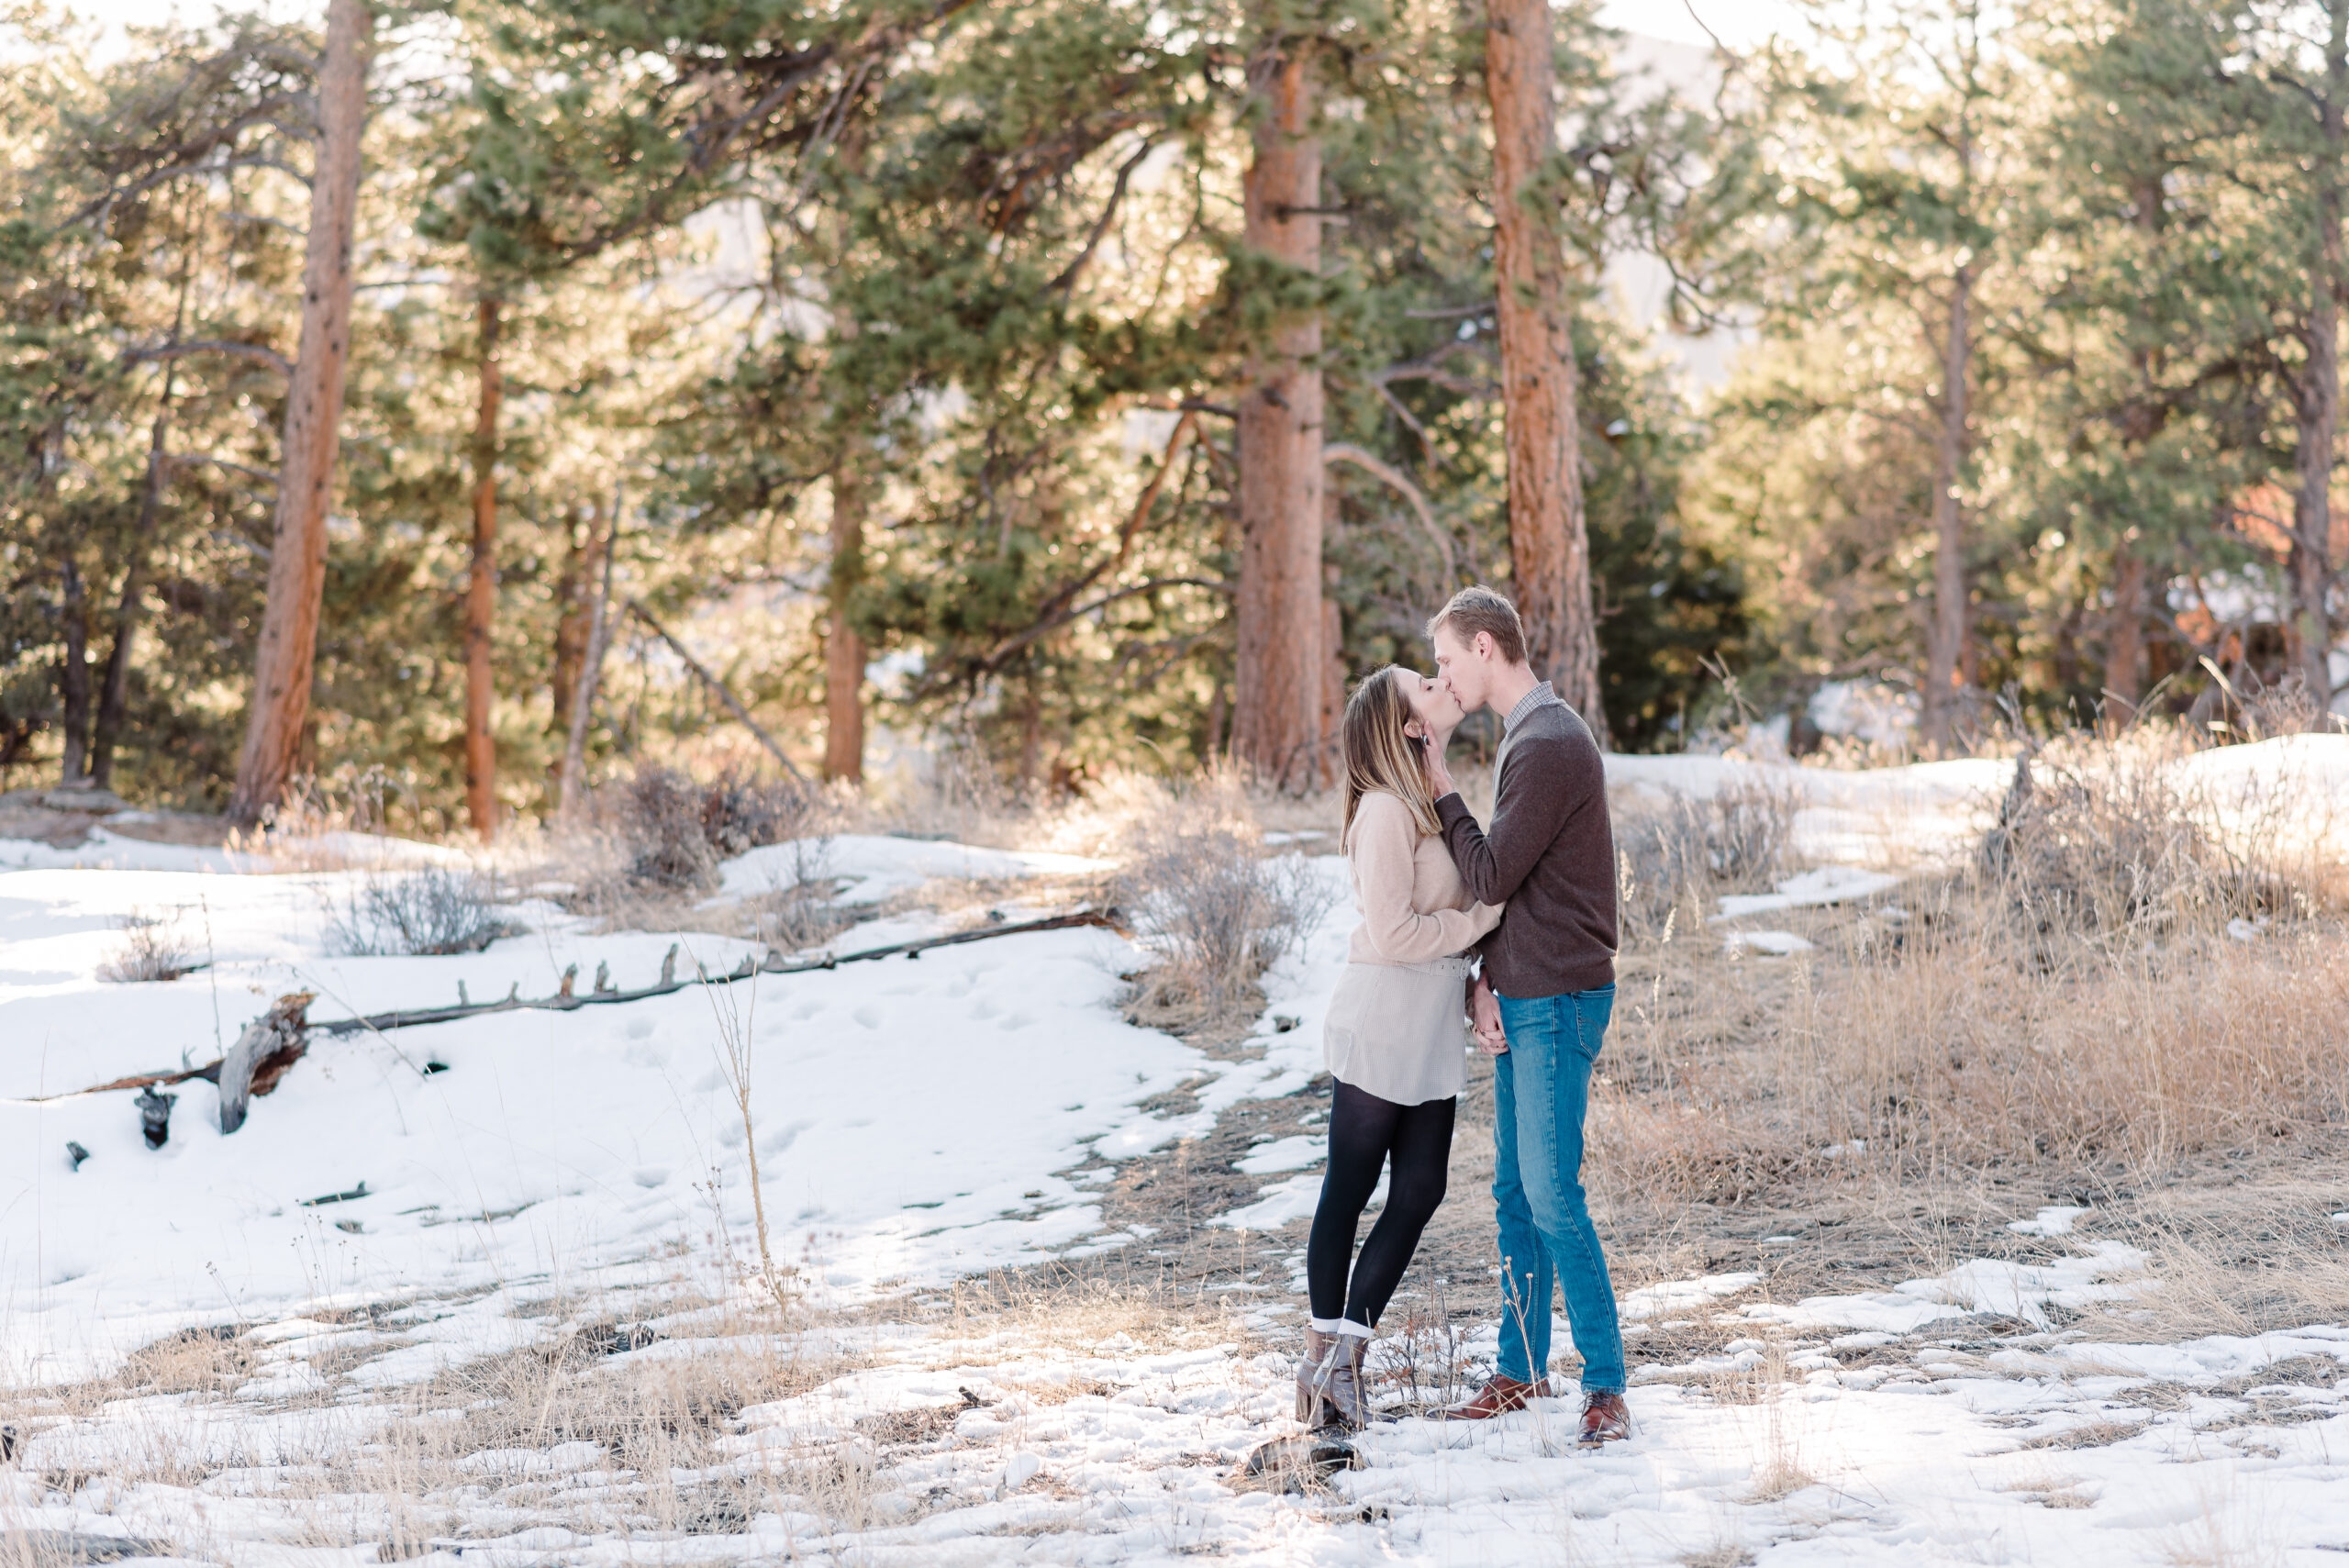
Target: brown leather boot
[[1498, 1397], [1605, 1420]]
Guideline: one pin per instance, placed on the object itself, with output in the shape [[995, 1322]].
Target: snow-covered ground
[[2285, 795], [917, 1119]]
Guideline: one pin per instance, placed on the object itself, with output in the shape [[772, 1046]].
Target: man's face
[[1463, 672]]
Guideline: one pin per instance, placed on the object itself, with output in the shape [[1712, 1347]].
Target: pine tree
[[1549, 541], [279, 706]]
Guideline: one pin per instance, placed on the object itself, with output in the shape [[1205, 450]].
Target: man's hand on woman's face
[[1431, 763]]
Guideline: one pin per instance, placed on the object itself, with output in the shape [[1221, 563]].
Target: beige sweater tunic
[[1395, 1023]]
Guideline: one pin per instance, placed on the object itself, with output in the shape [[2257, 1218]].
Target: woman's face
[[1434, 710]]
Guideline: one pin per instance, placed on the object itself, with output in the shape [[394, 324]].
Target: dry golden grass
[[1955, 1052]]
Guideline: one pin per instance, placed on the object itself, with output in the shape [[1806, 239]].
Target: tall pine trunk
[[1945, 640], [2317, 409], [481, 589], [2124, 642], [73, 674], [571, 783], [843, 647], [1276, 724], [576, 591], [113, 686], [2142, 419], [2309, 636], [279, 707], [1549, 545]]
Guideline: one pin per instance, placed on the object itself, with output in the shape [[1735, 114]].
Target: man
[[1541, 1002]]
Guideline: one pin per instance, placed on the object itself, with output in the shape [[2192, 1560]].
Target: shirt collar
[[1540, 696]]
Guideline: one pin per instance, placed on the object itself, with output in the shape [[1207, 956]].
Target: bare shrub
[[1214, 908], [434, 911], [151, 946], [2096, 839], [677, 830], [1675, 857], [797, 911]]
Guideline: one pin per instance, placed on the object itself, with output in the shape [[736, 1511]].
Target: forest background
[[1038, 388]]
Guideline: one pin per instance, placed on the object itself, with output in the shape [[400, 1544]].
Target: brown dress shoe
[[1605, 1420], [1498, 1397]]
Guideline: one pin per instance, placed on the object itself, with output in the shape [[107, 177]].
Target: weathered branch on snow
[[274, 1041], [566, 999]]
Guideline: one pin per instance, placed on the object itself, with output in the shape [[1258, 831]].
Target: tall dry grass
[[1959, 1051], [2129, 981]]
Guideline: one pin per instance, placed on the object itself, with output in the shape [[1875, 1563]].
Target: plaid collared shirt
[[1539, 696]]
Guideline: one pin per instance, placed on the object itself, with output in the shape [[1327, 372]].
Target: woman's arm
[[1383, 840]]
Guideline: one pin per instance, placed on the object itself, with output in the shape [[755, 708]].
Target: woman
[[1394, 1041]]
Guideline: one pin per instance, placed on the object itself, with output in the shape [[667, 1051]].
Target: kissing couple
[[1513, 925]]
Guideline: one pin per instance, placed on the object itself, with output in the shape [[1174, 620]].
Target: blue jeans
[[1540, 1089]]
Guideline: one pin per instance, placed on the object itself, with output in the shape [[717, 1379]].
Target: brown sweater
[[1549, 857]]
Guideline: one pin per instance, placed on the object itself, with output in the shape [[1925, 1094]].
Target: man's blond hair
[[1479, 608]]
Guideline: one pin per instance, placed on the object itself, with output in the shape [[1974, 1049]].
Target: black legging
[[1364, 1131]]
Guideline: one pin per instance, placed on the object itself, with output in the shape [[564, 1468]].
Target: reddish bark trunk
[[73, 676], [279, 707], [480, 590], [2124, 641], [114, 688], [575, 589], [1946, 642], [843, 648], [1276, 725], [2308, 635], [1549, 545]]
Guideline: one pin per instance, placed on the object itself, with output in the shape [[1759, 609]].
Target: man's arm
[[1538, 792]]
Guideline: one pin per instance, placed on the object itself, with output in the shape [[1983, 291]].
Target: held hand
[[1484, 1011]]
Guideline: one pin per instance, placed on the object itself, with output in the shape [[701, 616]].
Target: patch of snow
[[1874, 711], [1775, 944], [1824, 884], [1300, 1152], [874, 867], [1679, 1295], [2055, 1219], [2023, 1291]]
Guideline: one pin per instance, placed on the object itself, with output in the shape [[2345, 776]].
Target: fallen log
[[567, 999], [263, 1053], [279, 1037]]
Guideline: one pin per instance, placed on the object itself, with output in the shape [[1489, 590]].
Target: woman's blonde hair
[[1379, 755]]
